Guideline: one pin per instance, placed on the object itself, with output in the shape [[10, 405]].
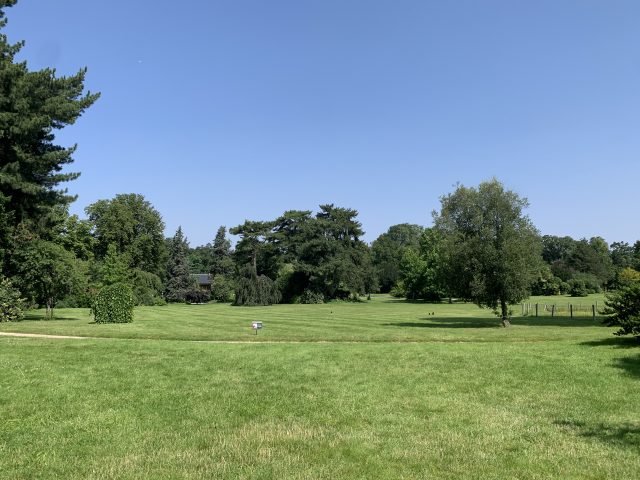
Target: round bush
[[114, 304], [311, 297]]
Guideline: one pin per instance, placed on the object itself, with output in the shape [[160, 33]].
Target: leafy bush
[[147, 288], [197, 295], [628, 276], [548, 284], [623, 308], [256, 291], [222, 289], [311, 297], [11, 305], [591, 282], [114, 304], [577, 288], [398, 290]]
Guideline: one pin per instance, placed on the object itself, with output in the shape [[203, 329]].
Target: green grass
[[383, 319], [547, 398]]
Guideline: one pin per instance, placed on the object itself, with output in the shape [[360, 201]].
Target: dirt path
[[254, 342], [42, 335], [257, 342]]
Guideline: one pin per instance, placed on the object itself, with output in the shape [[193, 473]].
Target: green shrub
[[222, 289], [311, 297], [11, 305], [591, 282], [197, 295], [398, 290], [577, 288], [114, 304], [623, 309], [256, 291], [147, 288]]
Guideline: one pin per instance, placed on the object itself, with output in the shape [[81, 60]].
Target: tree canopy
[[490, 250], [388, 250], [134, 227], [33, 105]]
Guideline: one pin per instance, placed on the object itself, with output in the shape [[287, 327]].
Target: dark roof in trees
[[202, 278]]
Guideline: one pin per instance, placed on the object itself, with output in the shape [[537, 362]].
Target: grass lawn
[[384, 389]]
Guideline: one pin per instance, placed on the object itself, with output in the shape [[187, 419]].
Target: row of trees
[[406, 256]]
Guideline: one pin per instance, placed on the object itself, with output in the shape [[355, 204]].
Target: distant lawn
[[546, 398], [382, 319]]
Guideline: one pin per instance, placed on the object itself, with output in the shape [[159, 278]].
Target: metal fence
[[561, 309]]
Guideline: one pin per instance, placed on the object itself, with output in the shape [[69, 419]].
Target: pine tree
[[222, 263], [179, 282], [34, 104]]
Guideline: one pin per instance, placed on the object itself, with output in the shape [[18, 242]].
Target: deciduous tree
[[134, 227], [492, 250]]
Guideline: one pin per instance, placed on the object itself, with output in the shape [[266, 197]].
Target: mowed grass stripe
[[382, 319], [163, 409]]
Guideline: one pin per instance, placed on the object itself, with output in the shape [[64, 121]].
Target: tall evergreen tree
[[34, 104], [222, 262], [179, 281]]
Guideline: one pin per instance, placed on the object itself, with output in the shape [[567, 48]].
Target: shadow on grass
[[625, 435], [39, 317], [474, 322], [449, 322], [556, 321], [620, 342], [424, 302], [631, 365]]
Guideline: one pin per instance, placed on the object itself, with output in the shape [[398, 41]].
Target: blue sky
[[217, 111]]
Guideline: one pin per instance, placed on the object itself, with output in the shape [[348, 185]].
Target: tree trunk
[[505, 313], [49, 311], [255, 264]]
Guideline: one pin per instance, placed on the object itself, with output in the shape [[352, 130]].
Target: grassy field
[[383, 389]]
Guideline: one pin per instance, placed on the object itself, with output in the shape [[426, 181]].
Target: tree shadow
[[475, 322], [631, 365], [556, 321], [406, 300], [449, 322], [624, 435], [619, 342], [39, 317]]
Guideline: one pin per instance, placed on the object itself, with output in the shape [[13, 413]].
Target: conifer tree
[[222, 263], [34, 104], [179, 282]]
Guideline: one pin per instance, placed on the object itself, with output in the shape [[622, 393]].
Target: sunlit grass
[[546, 398], [382, 319]]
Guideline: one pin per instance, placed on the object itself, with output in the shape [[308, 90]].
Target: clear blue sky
[[217, 111]]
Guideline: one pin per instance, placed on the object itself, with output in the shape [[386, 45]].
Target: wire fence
[[563, 309]]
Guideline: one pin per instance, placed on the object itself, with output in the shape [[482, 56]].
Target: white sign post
[[256, 326]]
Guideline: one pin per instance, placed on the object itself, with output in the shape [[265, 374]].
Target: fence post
[[593, 311], [536, 309], [553, 310], [571, 309]]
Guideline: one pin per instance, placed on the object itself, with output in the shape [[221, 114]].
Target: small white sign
[[256, 325]]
